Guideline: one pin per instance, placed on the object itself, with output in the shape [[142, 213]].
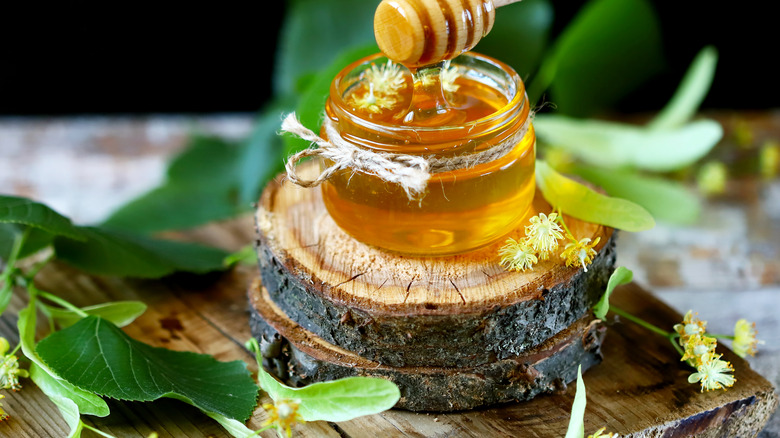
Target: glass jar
[[462, 209]]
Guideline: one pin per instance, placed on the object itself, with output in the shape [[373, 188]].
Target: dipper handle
[[422, 32]]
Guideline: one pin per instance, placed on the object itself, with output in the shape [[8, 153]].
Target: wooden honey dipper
[[422, 32]]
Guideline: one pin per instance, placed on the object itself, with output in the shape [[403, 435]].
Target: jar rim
[[517, 101]]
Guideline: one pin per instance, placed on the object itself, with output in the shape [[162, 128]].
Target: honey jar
[[479, 142]]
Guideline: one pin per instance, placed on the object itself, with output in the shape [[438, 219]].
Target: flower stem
[[563, 222], [97, 431], [6, 277], [16, 249], [720, 336], [676, 345], [640, 322], [60, 301], [38, 266], [259, 431]]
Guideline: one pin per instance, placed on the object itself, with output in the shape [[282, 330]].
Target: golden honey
[[475, 104]]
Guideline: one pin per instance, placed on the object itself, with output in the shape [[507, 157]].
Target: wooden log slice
[[300, 357], [461, 310]]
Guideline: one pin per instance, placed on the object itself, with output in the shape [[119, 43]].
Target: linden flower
[[713, 373], [448, 77], [745, 341], [517, 256], [543, 234], [387, 78], [689, 327], [283, 414], [696, 347], [580, 253], [372, 102], [600, 434], [3, 415], [9, 368]]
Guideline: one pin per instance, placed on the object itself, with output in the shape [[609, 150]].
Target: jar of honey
[[473, 112]]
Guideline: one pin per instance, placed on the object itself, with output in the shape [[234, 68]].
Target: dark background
[[92, 60]]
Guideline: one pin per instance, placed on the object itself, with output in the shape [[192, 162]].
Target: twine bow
[[408, 171]]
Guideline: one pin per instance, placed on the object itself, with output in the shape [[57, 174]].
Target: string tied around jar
[[411, 172]]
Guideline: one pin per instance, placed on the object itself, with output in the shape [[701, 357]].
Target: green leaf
[[314, 31], [17, 210], [338, 400], [87, 402], [120, 313], [610, 48], [311, 106], [201, 187], [175, 206], [37, 239], [619, 276], [577, 420], [520, 35], [59, 396], [234, 427], [207, 160], [95, 355], [666, 200], [611, 144], [690, 93], [261, 157], [583, 203], [109, 252], [246, 255]]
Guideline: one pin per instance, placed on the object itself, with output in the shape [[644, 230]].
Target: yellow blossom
[[712, 177], [745, 341], [713, 373], [371, 101], [769, 159], [448, 76], [517, 256], [543, 234], [3, 415], [386, 79], [9, 368], [690, 326], [696, 346], [283, 414], [580, 253], [743, 134], [600, 434]]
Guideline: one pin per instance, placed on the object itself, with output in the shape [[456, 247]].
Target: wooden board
[[639, 390], [396, 309]]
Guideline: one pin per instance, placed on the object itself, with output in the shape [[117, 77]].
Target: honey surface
[[463, 209]]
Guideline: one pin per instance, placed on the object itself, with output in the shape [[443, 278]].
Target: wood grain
[[397, 309], [640, 390]]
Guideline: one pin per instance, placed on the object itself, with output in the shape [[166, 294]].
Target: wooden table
[[733, 272]]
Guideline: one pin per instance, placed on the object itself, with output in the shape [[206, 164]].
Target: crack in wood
[[351, 279], [457, 290], [408, 287], [342, 433], [381, 285]]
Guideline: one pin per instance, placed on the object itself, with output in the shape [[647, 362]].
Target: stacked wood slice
[[453, 332]]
